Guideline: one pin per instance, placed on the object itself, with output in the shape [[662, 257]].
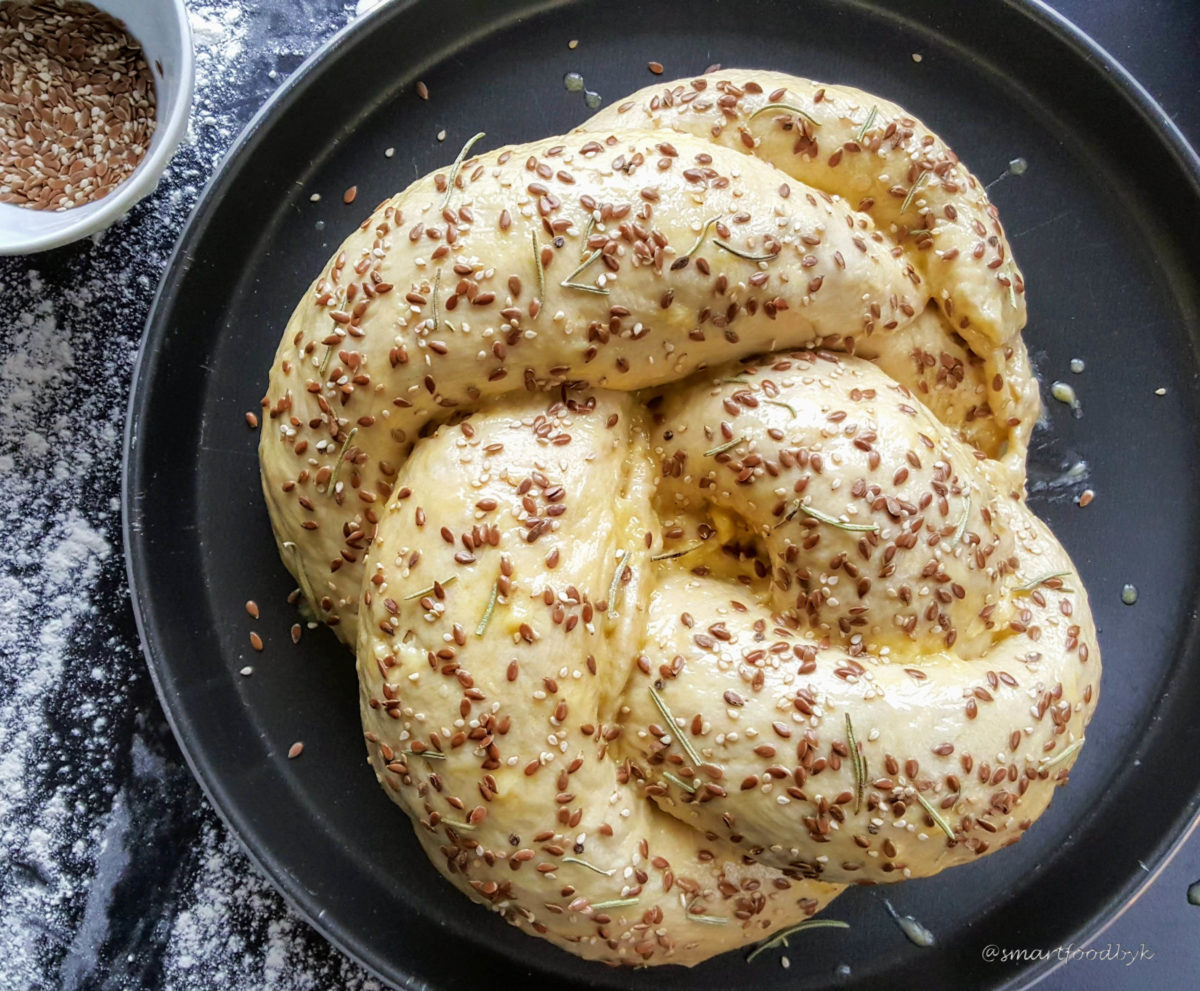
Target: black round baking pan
[[1105, 221]]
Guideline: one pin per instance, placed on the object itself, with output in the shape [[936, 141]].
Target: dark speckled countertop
[[115, 871]]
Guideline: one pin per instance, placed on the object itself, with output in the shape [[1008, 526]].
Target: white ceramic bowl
[[161, 26]]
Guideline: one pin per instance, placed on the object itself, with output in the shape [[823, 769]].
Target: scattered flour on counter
[[209, 939], [90, 783]]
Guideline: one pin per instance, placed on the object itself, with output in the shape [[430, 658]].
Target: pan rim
[[1103, 65]]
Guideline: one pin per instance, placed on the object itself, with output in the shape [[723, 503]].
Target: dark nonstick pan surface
[[1104, 222]]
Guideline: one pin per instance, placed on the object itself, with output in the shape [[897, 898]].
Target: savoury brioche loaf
[[667, 478]]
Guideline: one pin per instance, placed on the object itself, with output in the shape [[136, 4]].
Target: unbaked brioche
[[668, 479]]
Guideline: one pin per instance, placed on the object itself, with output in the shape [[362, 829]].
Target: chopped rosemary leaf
[[1030, 586], [541, 272], [786, 406], [667, 555], [462, 155], [916, 933], [781, 937], [1048, 762], [567, 283], [725, 245], [674, 730], [859, 764], [615, 585], [487, 613], [584, 863], [788, 107], [331, 487], [722, 448], [816, 514], [868, 123], [437, 286], [699, 238], [325, 361], [457, 824], [962, 523], [679, 782], [708, 920], [587, 232], [912, 192], [614, 903], [935, 815], [427, 754], [429, 590]]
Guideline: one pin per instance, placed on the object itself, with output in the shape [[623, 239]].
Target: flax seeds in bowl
[[77, 104]]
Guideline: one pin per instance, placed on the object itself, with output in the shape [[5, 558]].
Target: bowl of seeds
[[94, 99]]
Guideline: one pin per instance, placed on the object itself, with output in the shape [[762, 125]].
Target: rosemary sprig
[[487, 613], [679, 782], [708, 920], [962, 523], [867, 124], [614, 903], [615, 585], [541, 272], [1047, 762], [859, 763], [429, 590], [781, 937], [337, 466], [912, 192], [935, 815], [676, 733], [816, 514], [458, 165], [1030, 586], [722, 448], [725, 245], [584, 863], [667, 555], [788, 107], [568, 282], [786, 406]]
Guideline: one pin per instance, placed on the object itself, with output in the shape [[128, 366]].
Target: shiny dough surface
[[667, 478]]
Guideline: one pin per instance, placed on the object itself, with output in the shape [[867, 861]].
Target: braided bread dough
[[668, 478]]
